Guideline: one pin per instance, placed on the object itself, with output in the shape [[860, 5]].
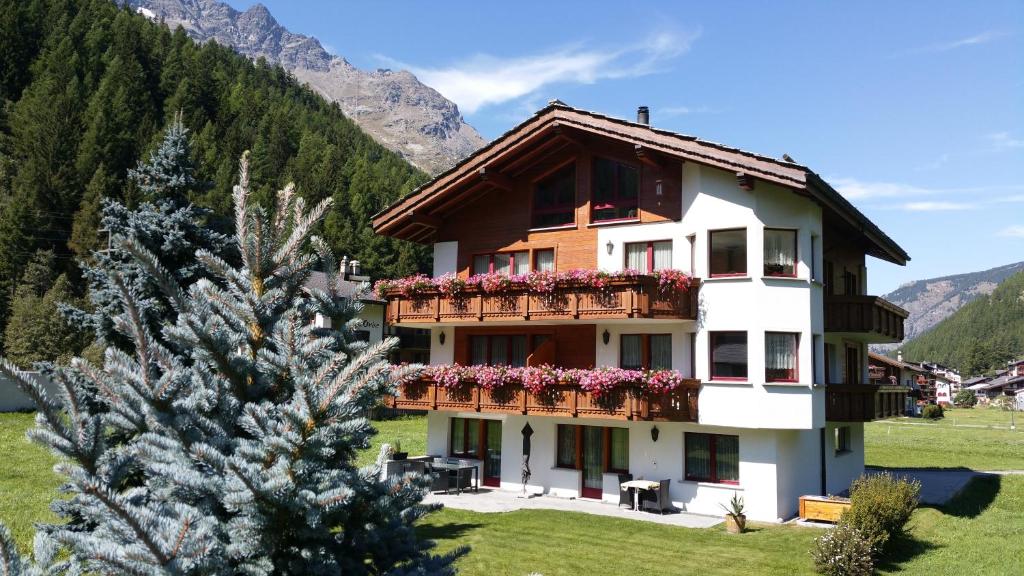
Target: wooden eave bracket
[[496, 179], [649, 157], [425, 220], [745, 181]]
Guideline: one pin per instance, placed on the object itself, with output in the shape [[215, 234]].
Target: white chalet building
[[770, 339]]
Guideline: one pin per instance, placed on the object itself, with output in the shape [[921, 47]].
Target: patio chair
[[438, 479], [461, 479], [657, 499], [625, 496]]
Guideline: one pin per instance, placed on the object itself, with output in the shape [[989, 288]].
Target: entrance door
[[593, 456], [492, 456]]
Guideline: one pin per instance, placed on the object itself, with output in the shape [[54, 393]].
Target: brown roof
[[396, 219]]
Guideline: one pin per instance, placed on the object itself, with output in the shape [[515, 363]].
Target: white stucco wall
[[12, 399], [843, 468], [446, 256]]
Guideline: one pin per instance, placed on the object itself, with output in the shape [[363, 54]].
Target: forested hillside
[[87, 88], [982, 335]]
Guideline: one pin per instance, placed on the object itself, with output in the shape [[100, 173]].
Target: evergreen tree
[[235, 443], [37, 331]]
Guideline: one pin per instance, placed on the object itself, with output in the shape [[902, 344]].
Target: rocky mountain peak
[[394, 107]]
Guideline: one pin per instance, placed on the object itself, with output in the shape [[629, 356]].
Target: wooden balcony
[[632, 298], [679, 405], [874, 319], [863, 402]]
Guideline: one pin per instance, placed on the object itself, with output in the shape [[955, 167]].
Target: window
[[646, 257], [616, 187], [361, 335], [571, 446], [692, 240], [815, 358], [465, 437], [502, 263], [645, 351], [728, 355], [780, 357], [728, 253], [813, 260], [498, 350], [554, 199], [712, 458], [842, 439], [779, 252], [544, 260]]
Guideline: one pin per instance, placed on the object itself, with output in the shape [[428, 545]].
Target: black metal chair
[[438, 479], [657, 499], [625, 496]]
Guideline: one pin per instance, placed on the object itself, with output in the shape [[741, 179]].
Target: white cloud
[[936, 206], [981, 38], [673, 111], [935, 164], [854, 189], [485, 79], [1012, 232], [1003, 141]]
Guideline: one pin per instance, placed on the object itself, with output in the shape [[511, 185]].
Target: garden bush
[[966, 399], [842, 551], [881, 505], [932, 412]]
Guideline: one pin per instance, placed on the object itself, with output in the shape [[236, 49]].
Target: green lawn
[[976, 438], [978, 533]]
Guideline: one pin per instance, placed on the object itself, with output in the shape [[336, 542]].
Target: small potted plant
[[735, 519], [398, 454]]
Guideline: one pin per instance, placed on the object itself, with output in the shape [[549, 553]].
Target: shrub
[[880, 506], [842, 551], [932, 412], [966, 399]]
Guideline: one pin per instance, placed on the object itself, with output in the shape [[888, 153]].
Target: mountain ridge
[[932, 300], [394, 107]]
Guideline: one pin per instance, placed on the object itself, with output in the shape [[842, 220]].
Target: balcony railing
[[623, 298], [876, 318], [680, 405], [863, 402]]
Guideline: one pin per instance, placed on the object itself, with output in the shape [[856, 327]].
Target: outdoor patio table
[[636, 486], [458, 467]]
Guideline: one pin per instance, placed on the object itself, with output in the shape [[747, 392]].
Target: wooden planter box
[[825, 509]]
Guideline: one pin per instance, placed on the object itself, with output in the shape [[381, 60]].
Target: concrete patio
[[490, 500]]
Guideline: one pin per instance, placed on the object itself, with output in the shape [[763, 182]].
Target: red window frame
[[466, 423], [490, 260], [508, 347], [796, 257], [577, 460], [711, 244], [645, 349], [650, 252], [567, 208], [713, 451], [711, 356], [536, 252], [794, 375], [617, 201]]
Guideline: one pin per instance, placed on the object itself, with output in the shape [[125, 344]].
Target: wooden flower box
[[823, 508]]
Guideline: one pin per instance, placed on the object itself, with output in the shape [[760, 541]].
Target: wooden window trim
[[534, 211], [713, 452], [533, 258], [711, 357], [650, 252], [796, 369], [481, 438], [606, 450], [711, 235], [617, 202], [796, 255], [490, 260], [490, 338], [645, 349]]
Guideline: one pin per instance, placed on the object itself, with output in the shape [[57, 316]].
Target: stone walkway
[[488, 500]]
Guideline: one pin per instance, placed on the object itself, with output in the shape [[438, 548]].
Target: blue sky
[[915, 110]]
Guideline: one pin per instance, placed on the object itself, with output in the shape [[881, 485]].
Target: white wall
[[843, 468], [446, 256], [12, 399]]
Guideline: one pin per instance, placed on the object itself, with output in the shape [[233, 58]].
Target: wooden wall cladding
[[499, 221], [574, 343]]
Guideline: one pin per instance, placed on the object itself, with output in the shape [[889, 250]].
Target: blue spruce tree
[[228, 445]]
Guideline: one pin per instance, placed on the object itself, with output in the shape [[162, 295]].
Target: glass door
[[492, 459], [593, 461]]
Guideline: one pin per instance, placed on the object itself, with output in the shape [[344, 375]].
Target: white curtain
[[780, 353], [518, 358], [545, 260], [636, 257], [481, 264], [499, 351], [521, 262], [780, 249], [631, 351], [661, 352], [663, 255], [479, 350], [502, 263]]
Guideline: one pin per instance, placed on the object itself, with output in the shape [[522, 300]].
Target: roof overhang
[[417, 215]]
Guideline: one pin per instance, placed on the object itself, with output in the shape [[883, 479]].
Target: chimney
[[643, 116], [356, 269], [343, 268], [899, 355]]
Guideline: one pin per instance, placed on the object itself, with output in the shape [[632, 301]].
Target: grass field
[[977, 533], [976, 438]]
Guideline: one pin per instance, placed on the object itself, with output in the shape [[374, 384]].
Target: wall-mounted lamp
[[610, 247], [654, 433], [440, 338], [606, 337]]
